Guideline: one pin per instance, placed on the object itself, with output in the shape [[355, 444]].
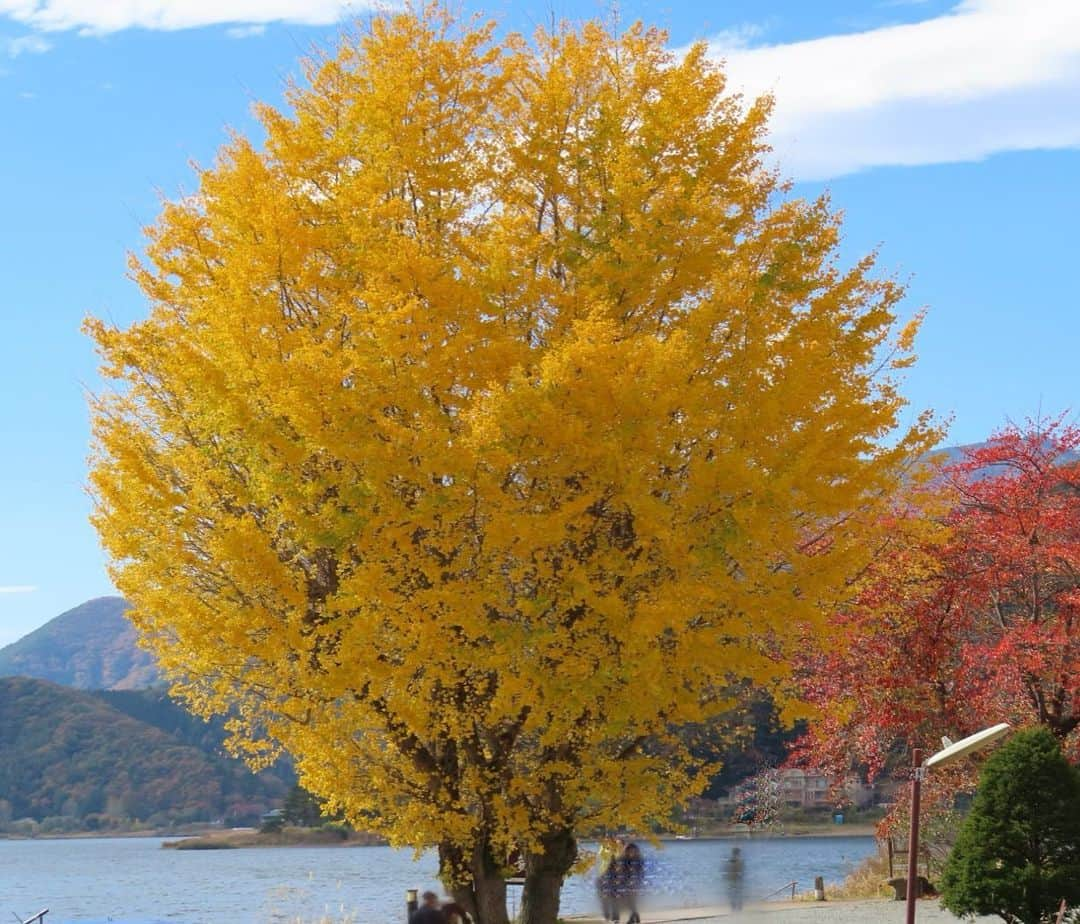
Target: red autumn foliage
[[972, 618]]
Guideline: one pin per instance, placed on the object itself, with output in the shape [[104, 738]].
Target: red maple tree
[[972, 618]]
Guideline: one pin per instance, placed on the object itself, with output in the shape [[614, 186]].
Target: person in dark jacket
[[429, 912], [631, 880], [607, 883]]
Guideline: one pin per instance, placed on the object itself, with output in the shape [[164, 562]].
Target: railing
[[787, 885], [513, 896], [38, 918]]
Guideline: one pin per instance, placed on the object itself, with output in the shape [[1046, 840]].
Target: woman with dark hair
[[429, 911]]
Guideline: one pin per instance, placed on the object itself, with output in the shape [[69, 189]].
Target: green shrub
[[1018, 852]]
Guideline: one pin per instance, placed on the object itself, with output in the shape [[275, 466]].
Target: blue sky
[[948, 132]]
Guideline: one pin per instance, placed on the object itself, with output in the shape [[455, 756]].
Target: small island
[[288, 836]]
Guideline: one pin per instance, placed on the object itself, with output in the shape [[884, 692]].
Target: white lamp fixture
[[966, 745]]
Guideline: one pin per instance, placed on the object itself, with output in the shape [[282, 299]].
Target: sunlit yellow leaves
[[488, 421]]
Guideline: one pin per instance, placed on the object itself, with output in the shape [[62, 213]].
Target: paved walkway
[[871, 911]]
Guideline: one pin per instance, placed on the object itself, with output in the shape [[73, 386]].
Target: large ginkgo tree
[[490, 417]]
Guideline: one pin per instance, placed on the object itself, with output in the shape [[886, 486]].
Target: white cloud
[[17, 588], [24, 44], [989, 76], [102, 16]]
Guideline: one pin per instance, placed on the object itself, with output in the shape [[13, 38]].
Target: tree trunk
[[491, 900], [544, 875], [466, 897], [475, 882]]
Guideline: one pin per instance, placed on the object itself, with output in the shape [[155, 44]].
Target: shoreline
[[858, 911], [854, 829], [217, 838]]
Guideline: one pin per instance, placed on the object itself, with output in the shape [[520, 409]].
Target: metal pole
[[917, 774], [411, 904]]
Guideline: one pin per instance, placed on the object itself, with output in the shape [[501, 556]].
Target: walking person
[[631, 881], [607, 883], [734, 870]]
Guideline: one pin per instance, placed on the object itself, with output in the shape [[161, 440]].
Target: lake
[[134, 881]]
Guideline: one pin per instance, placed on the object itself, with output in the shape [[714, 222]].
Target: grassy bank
[[867, 880]]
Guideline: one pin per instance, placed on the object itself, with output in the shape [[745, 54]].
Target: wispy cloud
[[735, 38], [243, 32], [103, 16], [988, 76], [17, 588], [24, 44]]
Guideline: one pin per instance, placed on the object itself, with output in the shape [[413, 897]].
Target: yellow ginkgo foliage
[[489, 420]]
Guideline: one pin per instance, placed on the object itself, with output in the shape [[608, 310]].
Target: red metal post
[[917, 773]]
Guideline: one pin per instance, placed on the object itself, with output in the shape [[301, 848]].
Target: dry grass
[[287, 837], [867, 880]]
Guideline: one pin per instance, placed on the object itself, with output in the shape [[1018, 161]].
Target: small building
[[811, 789], [274, 820]]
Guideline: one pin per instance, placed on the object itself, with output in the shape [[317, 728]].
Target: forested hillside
[[72, 760], [156, 708], [90, 647]]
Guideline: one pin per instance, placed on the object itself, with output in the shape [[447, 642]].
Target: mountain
[[951, 455], [90, 647], [154, 707], [70, 760]]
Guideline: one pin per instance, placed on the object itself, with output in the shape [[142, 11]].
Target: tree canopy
[[972, 618], [487, 422]]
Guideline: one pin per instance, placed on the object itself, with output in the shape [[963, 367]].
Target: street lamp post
[[946, 755], [918, 772]]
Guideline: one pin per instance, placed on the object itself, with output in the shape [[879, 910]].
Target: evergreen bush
[[1018, 852]]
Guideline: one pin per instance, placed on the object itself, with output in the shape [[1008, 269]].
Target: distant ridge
[[75, 760], [953, 455], [90, 647]]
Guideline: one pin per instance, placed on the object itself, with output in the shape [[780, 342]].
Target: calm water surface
[[134, 881]]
